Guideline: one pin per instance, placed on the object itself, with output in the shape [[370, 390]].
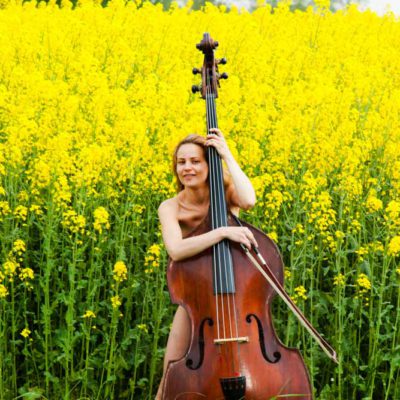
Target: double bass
[[234, 353]]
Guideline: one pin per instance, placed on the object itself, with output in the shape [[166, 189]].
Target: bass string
[[219, 218], [225, 243], [213, 220], [219, 261], [224, 260]]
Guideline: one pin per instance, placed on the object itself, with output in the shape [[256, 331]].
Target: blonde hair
[[200, 141]]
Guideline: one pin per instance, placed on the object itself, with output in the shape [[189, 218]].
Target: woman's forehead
[[190, 150]]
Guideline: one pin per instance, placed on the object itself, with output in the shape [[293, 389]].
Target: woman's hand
[[219, 143], [239, 234]]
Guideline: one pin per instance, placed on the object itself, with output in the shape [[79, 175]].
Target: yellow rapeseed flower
[[120, 271], [3, 291], [36, 209], [364, 287], [101, 221], [363, 282], [152, 257], [19, 246], [89, 314], [361, 252], [74, 222], [273, 235], [299, 228], [143, 327], [25, 332], [392, 213], [339, 280], [21, 212], [394, 246], [4, 209], [300, 293], [26, 273], [10, 268], [339, 235], [116, 301], [373, 204]]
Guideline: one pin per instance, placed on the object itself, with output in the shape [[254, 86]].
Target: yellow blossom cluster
[[3, 291], [21, 212], [4, 209], [101, 219], [361, 252], [300, 294], [103, 117], [152, 258], [74, 222], [143, 327], [392, 215], [120, 272], [363, 288], [116, 301], [339, 280], [373, 204], [89, 314], [322, 217], [394, 246], [12, 268], [25, 332]]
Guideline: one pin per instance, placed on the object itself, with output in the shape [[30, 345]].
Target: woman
[[182, 213]]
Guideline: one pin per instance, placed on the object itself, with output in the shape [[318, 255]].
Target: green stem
[[395, 342], [70, 323], [378, 314], [46, 310], [2, 352], [13, 331]]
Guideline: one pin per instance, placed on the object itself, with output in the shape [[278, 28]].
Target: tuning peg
[[222, 61], [224, 75], [196, 88], [196, 71]]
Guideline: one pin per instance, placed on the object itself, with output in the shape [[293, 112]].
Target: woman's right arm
[[179, 248]]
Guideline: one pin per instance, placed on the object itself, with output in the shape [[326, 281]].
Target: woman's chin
[[193, 184]]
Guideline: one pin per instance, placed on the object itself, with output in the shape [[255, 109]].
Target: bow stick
[[273, 281]]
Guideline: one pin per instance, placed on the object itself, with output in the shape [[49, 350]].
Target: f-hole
[[277, 354], [189, 361]]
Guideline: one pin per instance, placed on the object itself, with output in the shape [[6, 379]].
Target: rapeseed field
[[92, 102]]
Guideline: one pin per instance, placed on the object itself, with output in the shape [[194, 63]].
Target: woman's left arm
[[244, 188]]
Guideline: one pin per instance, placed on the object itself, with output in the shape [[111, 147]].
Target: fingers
[[216, 131], [243, 235], [218, 142], [250, 237]]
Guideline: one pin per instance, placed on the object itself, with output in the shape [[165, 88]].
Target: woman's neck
[[196, 196]]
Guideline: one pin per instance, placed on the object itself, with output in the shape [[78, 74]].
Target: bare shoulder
[[168, 207]]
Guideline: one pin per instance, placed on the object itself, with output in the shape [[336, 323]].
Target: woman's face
[[191, 167]]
